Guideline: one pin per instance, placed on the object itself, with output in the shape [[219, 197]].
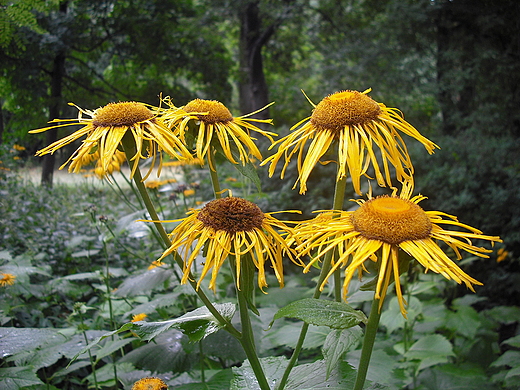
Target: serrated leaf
[[337, 343], [336, 315]]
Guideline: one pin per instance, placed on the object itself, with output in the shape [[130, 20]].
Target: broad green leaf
[[430, 350], [140, 284], [508, 358], [15, 340], [465, 321], [288, 335], [449, 376], [244, 378], [313, 377], [513, 341], [336, 315], [337, 343], [170, 351], [196, 324], [504, 314], [392, 319], [15, 378]]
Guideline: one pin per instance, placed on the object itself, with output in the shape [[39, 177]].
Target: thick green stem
[[339, 195], [368, 344], [248, 340], [130, 151]]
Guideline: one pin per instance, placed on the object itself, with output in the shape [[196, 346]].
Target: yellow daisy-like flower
[[355, 122], [230, 226], [215, 121], [150, 383], [378, 229], [139, 317], [7, 279], [105, 130]]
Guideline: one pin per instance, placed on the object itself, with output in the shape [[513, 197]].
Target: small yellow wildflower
[[189, 192], [502, 255], [7, 279], [18, 147], [139, 317], [150, 383]]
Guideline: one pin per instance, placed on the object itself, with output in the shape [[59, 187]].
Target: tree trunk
[[253, 89], [57, 74]]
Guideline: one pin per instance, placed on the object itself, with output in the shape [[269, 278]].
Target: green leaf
[[140, 284], [465, 321], [336, 315], [509, 359], [392, 318], [313, 377], [337, 343], [112, 346], [244, 377], [430, 350], [196, 324], [15, 378], [513, 341], [288, 334]]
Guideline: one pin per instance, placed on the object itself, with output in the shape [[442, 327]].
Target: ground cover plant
[[188, 282]]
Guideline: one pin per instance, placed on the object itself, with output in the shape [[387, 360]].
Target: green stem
[[247, 340], [214, 176], [339, 195], [130, 151], [368, 344], [91, 358]]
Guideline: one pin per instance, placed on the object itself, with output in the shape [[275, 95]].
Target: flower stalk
[[130, 150], [368, 344]]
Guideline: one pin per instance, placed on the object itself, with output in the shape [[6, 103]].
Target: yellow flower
[[378, 229], [150, 383], [230, 226], [7, 279], [188, 192], [139, 317], [215, 122], [355, 122], [18, 147], [502, 255], [105, 130]]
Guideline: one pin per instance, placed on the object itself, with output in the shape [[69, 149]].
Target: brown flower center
[[231, 215], [121, 114], [392, 220], [216, 111], [346, 108]]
